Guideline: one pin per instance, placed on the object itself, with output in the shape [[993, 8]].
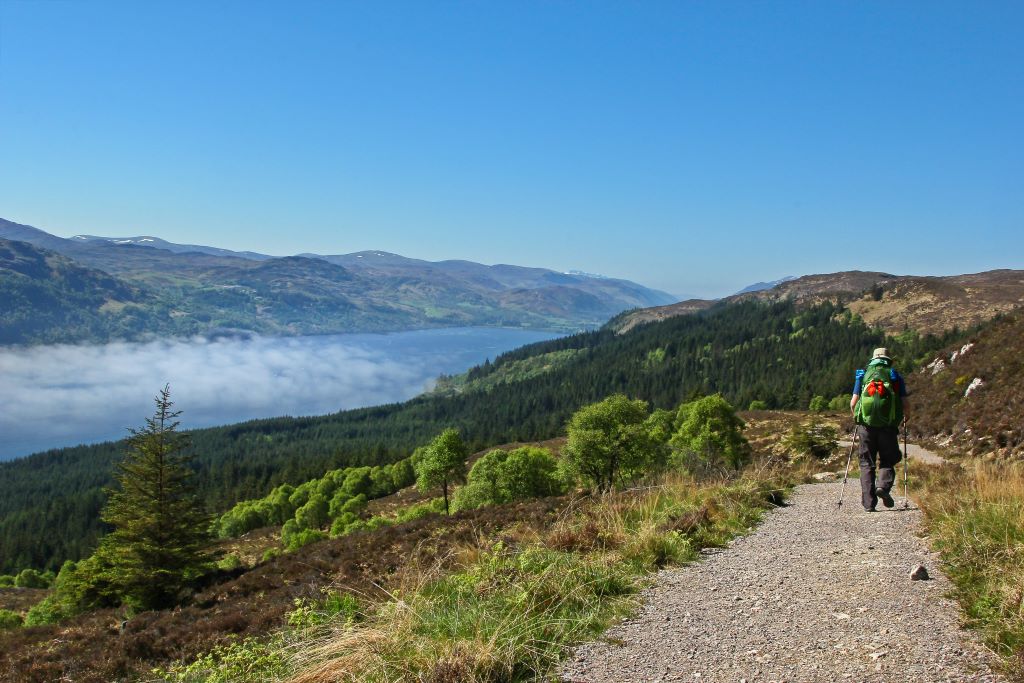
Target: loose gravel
[[814, 594]]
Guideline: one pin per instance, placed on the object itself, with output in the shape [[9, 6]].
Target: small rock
[[919, 573]]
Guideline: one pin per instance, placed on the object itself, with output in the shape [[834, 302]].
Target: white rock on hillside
[[976, 383], [957, 354]]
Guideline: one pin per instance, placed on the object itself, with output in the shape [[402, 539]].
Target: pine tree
[[158, 545]]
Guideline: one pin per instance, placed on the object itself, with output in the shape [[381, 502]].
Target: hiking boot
[[886, 498]]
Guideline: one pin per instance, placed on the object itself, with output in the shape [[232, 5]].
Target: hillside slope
[[48, 296], [971, 395], [750, 350], [892, 302]]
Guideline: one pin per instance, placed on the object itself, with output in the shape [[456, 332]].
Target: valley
[[774, 352]]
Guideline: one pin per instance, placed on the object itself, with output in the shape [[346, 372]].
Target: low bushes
[[9, 619], [316, 503]]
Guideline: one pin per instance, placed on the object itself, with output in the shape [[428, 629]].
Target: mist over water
[[52, 396]]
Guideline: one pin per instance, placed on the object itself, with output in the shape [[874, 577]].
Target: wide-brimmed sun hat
[[881, 352]]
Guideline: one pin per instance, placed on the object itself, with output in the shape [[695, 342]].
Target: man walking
[[879, 405]]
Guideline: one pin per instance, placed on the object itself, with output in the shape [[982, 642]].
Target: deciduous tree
[[442, 464], [710, 435], [610, 438]]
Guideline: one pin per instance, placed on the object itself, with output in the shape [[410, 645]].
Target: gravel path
[[813, 594]]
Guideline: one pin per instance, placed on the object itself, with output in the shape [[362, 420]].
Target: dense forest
[[776, 353]]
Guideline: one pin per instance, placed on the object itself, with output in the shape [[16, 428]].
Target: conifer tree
[[158, 545]]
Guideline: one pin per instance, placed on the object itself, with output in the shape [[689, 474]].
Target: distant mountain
[[26, 233], [927, 304], [759, 286], [157, 243], [193, 289], [48, 297]]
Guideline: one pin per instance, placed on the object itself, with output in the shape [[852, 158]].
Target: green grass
[[976, 519], [511, 613], [504, 611]]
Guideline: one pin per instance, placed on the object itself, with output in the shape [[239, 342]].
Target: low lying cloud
[[62, 395]]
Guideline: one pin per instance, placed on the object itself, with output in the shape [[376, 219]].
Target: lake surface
[[63, 395]]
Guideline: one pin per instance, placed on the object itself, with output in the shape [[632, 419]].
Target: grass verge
[[975, 516], [510, 609]]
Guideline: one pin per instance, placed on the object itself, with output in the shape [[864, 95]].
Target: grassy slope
[[634, 532], [975, 516], [437, 567]]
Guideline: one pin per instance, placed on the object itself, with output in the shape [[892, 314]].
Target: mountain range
[[90, 288]]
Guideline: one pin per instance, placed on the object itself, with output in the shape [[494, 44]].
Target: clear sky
[[692, 146]]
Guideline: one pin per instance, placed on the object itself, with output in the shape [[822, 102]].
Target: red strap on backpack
[[876, 388]]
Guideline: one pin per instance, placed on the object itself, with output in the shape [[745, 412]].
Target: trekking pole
[[906, 462], [849, 458]]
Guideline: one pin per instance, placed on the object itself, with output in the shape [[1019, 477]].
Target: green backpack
[[879, 404]]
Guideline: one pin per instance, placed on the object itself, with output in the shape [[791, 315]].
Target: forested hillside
[[775, 353], [47, 295]]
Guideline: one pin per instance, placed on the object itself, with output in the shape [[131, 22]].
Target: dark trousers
[[882, 443]]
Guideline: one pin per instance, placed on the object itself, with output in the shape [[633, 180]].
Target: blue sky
[[691, 146]]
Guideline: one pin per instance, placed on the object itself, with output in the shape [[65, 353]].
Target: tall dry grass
[[976, 517], [510, 612]]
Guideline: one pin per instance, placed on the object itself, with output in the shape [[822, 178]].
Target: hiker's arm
[[858, 377]]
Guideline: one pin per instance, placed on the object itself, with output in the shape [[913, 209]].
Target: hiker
[[879, 405]]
